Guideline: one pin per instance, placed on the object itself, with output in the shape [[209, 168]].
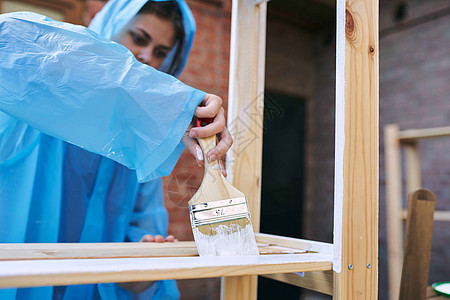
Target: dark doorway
[[282, 178]]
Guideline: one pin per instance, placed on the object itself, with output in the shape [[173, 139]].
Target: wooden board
[[392, 162], [245, 118], [417, 253], [319, 281], [82, 271], [95, 250], [357, 151], [31, 251], [416, 134]]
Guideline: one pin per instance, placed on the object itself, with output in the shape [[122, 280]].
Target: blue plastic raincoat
[[65, 89]]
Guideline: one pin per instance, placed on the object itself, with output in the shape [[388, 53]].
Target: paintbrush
[[219, 212]]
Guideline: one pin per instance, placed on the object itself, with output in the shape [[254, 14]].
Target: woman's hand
[[140, 286], [148, 238], [212, 108]]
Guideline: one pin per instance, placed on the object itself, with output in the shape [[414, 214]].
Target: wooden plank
[[29, 251], [320, 247], [245, 117], [82, 271], [416, 134], [320, 281], [357, 151], [95, 250], [417, 253], [439, 215], [392, 168], [413, 178]]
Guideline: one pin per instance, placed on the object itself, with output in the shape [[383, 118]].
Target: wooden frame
[[394, 140], [353, 256]]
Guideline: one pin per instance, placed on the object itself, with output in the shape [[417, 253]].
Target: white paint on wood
[[229, 240], [339, 135], [320, 247], [232, 91], [80, 271]]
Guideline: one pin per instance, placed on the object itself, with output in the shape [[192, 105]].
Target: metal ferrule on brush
[[218, 211]]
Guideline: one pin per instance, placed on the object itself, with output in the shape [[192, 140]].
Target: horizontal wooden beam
[[27, 251], [319, 281], [439, 215], [320, 247], [416, 134], [25, 273]]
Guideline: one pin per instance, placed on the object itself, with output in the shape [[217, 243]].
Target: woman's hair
[[169, 10]]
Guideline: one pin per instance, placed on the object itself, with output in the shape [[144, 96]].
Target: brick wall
[[415, 93]]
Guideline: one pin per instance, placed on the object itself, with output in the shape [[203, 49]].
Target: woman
[[92, 198]]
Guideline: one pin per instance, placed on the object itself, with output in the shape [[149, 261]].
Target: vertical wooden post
[[392, 160], [356, 177], [413, 178], [418, 233], [245, 119]]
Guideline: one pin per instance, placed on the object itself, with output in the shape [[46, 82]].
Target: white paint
[[258, 2], [320, 247], [199, 152], [232, 90], [443, 288], [339, 135], [107, 265], [229, 240]]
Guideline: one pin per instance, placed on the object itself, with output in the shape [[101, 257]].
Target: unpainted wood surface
[[320, 281], [439, 215], [393, 207], [245, 118], [417, 250], [416, 134], [313, 246], [413, 178], [360, 157], [214, 186], [31, 251]]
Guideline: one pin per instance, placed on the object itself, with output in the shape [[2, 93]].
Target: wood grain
[[416, 134], [321, 282], [31, 251], [360, 155], [24, 273], [417, 250], [413, 178], [28, 251], [392, 168], [245, 118]]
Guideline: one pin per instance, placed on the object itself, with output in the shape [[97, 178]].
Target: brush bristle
[[234, 237]]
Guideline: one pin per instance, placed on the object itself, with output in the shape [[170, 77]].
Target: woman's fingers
[[148, 238], [193, 147], [212, 104], [159, 238], [170, 239], [217, 126], [222, 146]]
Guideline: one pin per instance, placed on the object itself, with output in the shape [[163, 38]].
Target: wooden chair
[[417, 247]]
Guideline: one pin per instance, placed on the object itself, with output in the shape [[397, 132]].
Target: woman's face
[[149, 37]]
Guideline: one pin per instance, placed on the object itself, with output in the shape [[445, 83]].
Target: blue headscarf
[[117, 13], [93, 93]]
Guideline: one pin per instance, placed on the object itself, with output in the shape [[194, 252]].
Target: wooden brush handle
[[207, 144]]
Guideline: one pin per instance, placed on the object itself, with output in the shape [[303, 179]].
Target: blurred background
[[299, 115]]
